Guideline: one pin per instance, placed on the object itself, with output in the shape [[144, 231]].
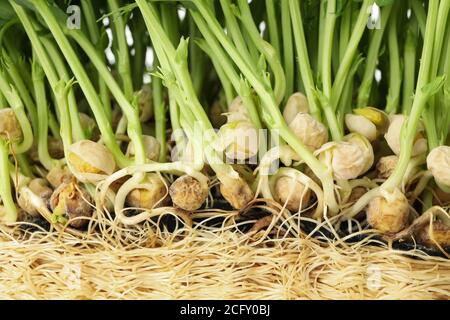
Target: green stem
[[16, 104], [123, 57], [24, 165], [164, 50], [223, 77], [176, 78], [303, 58], [346, 63], [78, 132], [272, 115], [178, 65], [219, 55], [445, 94], [372, 59], [272, 24], [3, 102], [326, 55], [5, 184], [160, 117], [169, 20], [430, 113], [395, 81], [322, 23], [197, 61], [288, 50], [345, 104], [175, 122], [235, 32], [330, 115], [53, 125], [140, 47], [42, 111], [421, 97], [83, 80], [21, 87], [266, 49], [327, 47], [46, 63], [409, 72], [91, 22], [419, 12], [345, 31], [94, 35], [20, 61], [61, 93], [312, 29]]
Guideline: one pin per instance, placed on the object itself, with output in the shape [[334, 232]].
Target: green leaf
[[235, 11], [321, 97], [434, 86], [262, 65], [24, 3], [355, 65], [383, 3], [182, 51], [189, 5], [121, 11]]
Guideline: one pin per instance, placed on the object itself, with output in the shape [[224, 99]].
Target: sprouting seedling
[[121, 11]]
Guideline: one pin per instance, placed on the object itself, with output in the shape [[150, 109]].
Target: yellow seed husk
[[90, 161], [154, 194], [374, 115], [81, 165]]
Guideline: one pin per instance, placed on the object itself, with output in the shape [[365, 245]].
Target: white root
[[138, 172], [283, 153]]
